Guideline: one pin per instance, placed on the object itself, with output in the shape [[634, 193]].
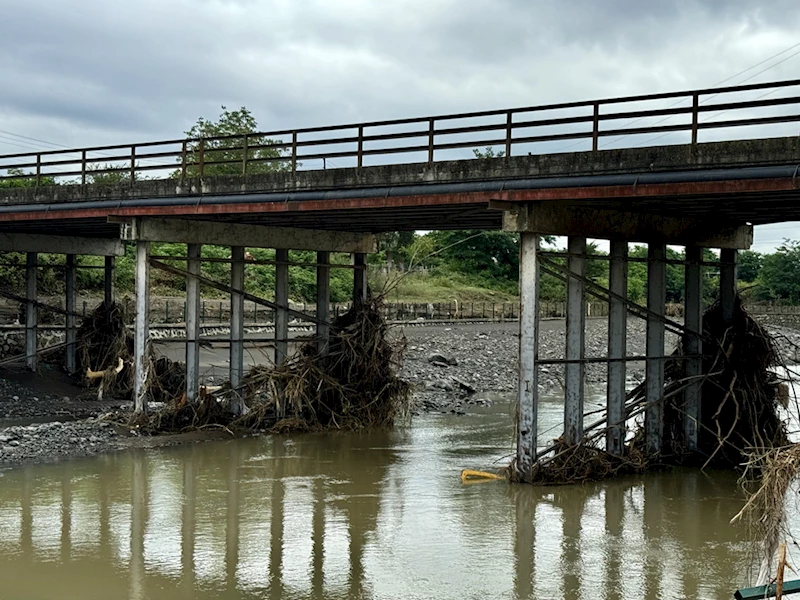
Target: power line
[[676, 103], [710, 118]]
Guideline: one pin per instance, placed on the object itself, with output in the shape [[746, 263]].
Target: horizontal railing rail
[[514, 129]]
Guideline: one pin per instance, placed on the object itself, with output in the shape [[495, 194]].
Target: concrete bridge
[[571, 169]]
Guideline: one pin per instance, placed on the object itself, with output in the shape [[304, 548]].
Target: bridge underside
[[704, 196]]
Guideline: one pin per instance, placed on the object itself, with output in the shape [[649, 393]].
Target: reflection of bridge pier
[[26, 513], [232, 517], [318, 539], [277, 499], [188, 525], [66, 512], [138, 525], [524, 543], [615, 515]]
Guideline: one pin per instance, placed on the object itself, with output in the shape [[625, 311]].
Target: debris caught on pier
[[739, 412], [351, 385], [104, 358]]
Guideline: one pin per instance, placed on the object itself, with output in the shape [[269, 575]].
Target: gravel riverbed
[[450, 367]]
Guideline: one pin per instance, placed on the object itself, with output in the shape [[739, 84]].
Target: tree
[[750, 263], [227, 156], [24, 180], [779, 276], [488, 152]]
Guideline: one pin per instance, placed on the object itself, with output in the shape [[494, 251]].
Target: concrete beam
[[237, 327], [528, 393], [617, 346], [141, 327], [654, 368], [60, 244], [71, 329], [236, 234], [561, 218], [193, 324], [575, 350], [31, 311]]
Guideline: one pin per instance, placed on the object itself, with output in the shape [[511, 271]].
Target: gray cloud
[[91, 71]]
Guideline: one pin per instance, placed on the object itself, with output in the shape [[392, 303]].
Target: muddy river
[[379, 515]]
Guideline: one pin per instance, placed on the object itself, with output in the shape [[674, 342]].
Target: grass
[[423, 287]]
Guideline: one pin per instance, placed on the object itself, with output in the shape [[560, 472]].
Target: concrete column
[[282, 300], [108, 287], [528, 395], [71, 333], [654, 369], [237, 325], [141, 326], [193, 324], [323, 300], [576, 332], [727, 282], [359, 278], [31, 312], [617, 346], [692, 344]]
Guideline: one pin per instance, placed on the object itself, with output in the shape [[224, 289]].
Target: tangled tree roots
[[739, 412], [104, 358], [350, 385]]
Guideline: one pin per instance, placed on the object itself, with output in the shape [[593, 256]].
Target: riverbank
[[453, 368]]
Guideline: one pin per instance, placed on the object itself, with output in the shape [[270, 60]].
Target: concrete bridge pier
[[621, 228], [33, 245], [142, 231]]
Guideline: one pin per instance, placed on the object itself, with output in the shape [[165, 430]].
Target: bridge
[[580, 169]]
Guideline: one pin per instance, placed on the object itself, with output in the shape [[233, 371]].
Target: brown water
[[379, 515]]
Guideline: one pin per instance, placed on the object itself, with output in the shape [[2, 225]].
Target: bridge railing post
[[695, 116], [596, 127], [294, 152], [509, 129], [430, 139], [360, 145], [83, 167], [133, 164], [38, 170], [183, 158], [244, 155], [201, 157]]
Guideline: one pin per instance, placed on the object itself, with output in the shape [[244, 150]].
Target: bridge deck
[[234, 178]]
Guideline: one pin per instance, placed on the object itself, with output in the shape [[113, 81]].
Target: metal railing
[[512, 130]]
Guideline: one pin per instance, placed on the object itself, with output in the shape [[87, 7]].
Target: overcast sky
[[82, 72]]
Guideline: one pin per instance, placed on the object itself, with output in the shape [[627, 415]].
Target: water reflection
[[358, 516]]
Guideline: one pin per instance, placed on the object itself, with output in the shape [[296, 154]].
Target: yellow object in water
[[470, 476]]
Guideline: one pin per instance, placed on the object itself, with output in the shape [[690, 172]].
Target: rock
[[440, 359], [13, 443]]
